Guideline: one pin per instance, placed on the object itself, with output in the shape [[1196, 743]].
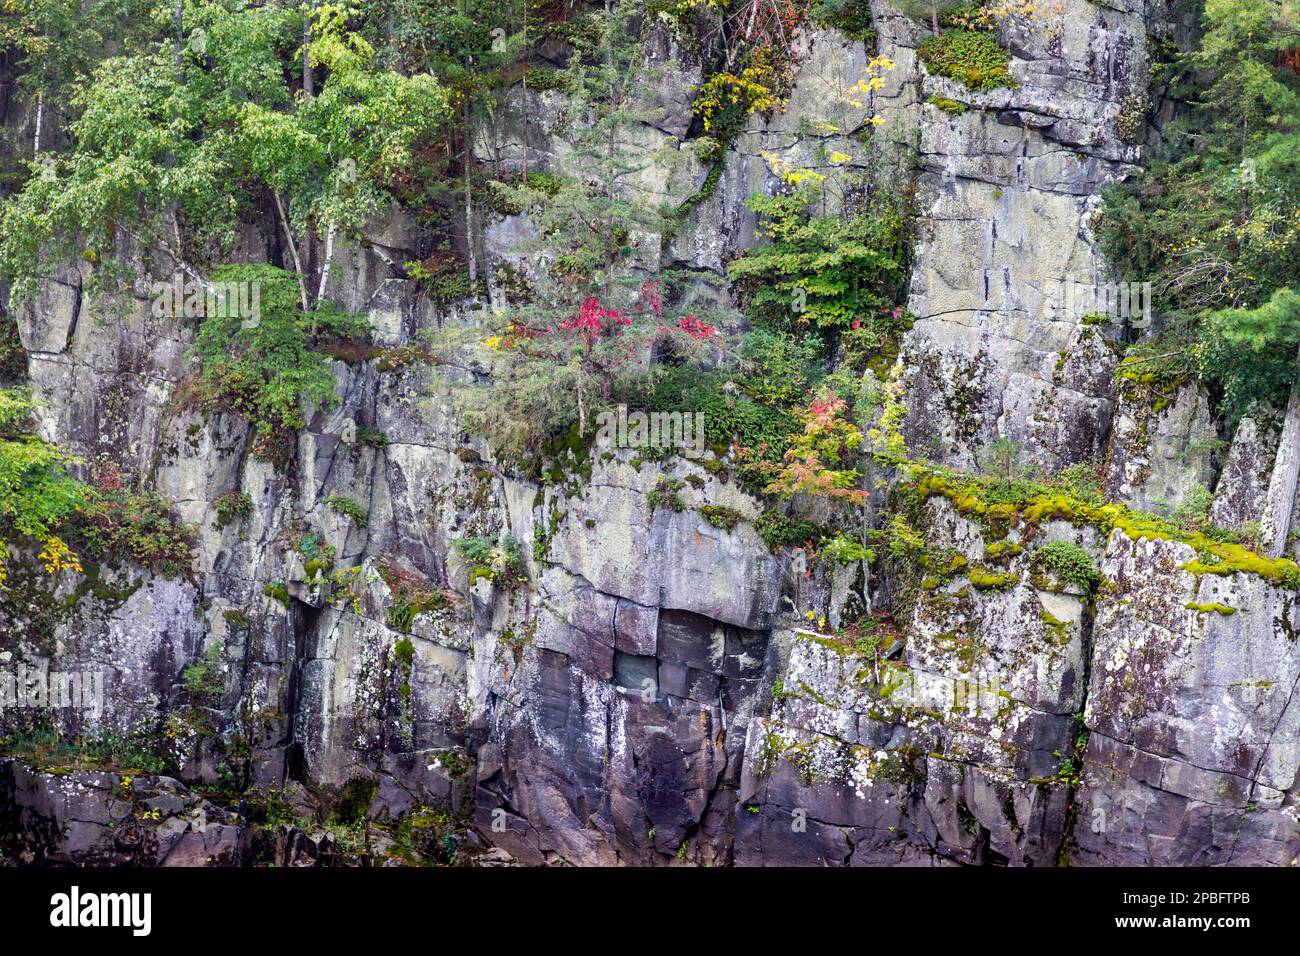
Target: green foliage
[[233, 506], [118, 524], [779, 369], [40, 501], [902, 540], [267, 370], [205, 679], [411, 595], [731, 418], [973, 58], [1251, 352], [58, 41], [498, 561], [780, 530], [372, 437], [1082, 480], [823, 272], [1068, 562], [938, 12], [947, 105], [444, 278], [529, 404], [720, 516], [1154, 369], [1004, 459], [850, 17], [37, 496], [312, 547], [846, 549], [45, 747], [587, 219], [666, 494], [343, 505], [1211, 223], [162, 137], [1192, 513], [13, 358]]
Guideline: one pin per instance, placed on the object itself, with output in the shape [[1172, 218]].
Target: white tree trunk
[[325, 269], [40, 116], [1282, 485]]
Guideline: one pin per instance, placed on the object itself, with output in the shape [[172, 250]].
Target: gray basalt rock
[[1239, 497], [1162, 449], [1177, 661], [1006, 194]]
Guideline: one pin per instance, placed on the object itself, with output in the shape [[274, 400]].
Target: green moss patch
[[973, 58], [999, 504], [1216, 607]]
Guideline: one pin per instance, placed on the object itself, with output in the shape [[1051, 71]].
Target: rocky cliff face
[[659, 689]]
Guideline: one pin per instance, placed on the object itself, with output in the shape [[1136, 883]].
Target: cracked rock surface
[[661, 690]]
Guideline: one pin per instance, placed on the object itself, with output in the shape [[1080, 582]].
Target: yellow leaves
[[774, 162], [507, 339], [837, 158], [798, 177], [790, 175], [748, 91], [4, 556], [57, 557], [880, 62]]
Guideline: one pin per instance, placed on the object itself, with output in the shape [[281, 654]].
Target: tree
[[592, 315], [37, 494], [269, 370], [471, 46], [1211, 225], [824, 273], [822, 459], [551, 377], [1259, 341], [591, 219], [158, 149], [59, 41], [922, 9]]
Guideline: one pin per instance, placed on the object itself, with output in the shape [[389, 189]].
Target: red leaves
[[696, 329], [650, 298], [823, 459], [591, 321]]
